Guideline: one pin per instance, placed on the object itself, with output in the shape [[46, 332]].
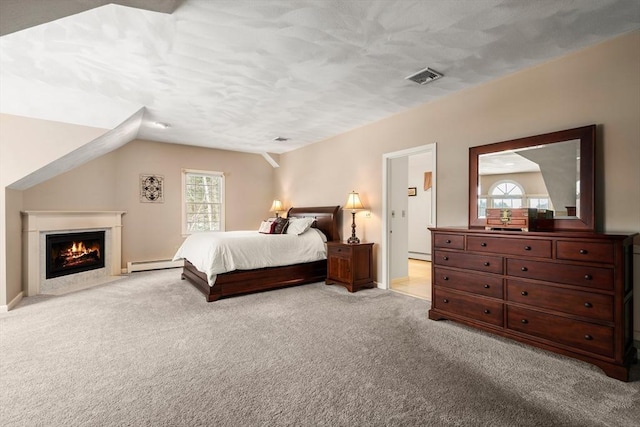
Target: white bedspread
[[214, 253]]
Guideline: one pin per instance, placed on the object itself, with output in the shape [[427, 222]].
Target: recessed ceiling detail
[[225, 73]]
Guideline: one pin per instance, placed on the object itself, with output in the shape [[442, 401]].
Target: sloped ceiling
[[236, 74]]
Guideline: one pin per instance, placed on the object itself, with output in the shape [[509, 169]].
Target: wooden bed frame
[[245, 281]]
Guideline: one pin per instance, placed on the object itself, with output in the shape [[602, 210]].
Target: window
[[202, 201], [539, 202], [506, 194]]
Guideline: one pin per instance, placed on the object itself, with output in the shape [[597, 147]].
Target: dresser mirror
[[554, 171]]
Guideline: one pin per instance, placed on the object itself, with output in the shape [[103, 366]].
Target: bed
[[244, 281]]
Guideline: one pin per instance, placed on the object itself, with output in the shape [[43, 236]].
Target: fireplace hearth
[[72, 253]]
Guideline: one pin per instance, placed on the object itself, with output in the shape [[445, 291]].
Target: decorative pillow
[[266, 227], [280, 225], [299, 225]]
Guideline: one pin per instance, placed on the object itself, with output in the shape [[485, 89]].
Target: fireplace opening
[[72, 253]]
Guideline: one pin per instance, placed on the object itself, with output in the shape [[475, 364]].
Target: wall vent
[[152, 265], [425, 76]]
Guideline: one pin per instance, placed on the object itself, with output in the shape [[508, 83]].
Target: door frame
[[386, 188]]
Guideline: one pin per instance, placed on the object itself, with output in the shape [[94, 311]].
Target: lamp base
[[353, 239]]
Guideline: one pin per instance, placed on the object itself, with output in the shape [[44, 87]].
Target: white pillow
[[299, 225]]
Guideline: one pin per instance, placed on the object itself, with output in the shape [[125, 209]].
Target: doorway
[[409, 208]]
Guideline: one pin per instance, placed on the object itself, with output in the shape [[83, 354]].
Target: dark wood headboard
[[327, 219]]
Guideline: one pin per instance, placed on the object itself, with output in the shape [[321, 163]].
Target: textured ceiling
[[236, 74]]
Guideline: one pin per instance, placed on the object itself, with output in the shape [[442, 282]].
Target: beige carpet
[[149, 351]]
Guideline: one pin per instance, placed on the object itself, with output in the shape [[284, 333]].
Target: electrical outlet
[[367, 214]]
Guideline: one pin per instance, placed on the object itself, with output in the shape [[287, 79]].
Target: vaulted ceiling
[[237, 74]]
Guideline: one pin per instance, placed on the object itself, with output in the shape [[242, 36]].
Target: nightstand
[[350, 265]]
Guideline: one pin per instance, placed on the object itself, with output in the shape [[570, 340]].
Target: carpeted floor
[[148, 350]]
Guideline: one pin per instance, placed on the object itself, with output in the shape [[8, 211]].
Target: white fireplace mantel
[[36, 222]]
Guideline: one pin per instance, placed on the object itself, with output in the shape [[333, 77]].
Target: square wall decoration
[[152, 188]]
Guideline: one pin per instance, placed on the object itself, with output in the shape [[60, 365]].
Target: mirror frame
[[586, 135]]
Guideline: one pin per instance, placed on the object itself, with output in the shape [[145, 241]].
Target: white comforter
[[214, 253]]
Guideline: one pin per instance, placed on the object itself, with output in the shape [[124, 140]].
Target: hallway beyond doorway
[[418, 284]]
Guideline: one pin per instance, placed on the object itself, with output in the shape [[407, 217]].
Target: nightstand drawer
[[521, 247], [482, 309], [586, 336], [486, 263], [586, 304], [588, 276], [481, 284], [341, 250]]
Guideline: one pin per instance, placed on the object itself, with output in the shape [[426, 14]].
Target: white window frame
[[220, 175], [492, 197]]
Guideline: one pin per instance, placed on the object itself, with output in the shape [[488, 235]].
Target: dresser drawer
[[481, 309], [520, 247], [486, 263], [583, 335], [588, 276], [481, 284], [452, 241], [579, 303], [585, 251]]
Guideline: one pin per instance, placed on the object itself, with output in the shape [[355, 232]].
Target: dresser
[[567, 292], [350, 265]]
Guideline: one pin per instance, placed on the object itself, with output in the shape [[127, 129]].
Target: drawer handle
[[524, 269], [584, 251], [339, 250], [527, 248], [486, 286], [447, 241], [588, 337], [486, 264], [588, 304], [487, 311], [483, 244], [446, 258], [524, 293], [524, 321], [445, 277], [588, 277], [446, 301]]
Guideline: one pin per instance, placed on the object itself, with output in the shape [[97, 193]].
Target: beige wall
[[14, 243], [152, 231], [26, 145], [599, 85]]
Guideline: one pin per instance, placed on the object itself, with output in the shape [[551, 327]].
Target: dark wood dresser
[[567, 292]]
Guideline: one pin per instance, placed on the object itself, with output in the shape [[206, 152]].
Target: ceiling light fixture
[[425, 76], [162, 125]]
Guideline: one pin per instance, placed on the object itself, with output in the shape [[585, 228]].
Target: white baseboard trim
[[420, 256], [152, 265], [12, 303]]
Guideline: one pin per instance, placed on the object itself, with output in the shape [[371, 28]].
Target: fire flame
[[78, 249]]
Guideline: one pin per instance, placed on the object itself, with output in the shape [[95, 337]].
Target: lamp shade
[[276, 206], [353, 202]]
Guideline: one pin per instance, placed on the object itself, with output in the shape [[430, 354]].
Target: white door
[[394, 251]]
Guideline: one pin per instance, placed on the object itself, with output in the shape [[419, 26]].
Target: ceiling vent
[[425, 76], [280, 139]]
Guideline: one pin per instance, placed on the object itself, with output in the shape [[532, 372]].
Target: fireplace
[[71, 253]]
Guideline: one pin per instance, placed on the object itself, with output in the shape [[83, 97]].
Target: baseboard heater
[[153, 265]]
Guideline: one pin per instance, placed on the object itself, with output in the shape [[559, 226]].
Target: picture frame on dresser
[[568, 290]]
